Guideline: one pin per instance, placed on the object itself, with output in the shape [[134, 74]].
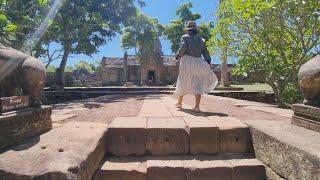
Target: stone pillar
[[125, 67]]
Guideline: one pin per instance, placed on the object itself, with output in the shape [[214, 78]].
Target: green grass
[[253, 87]]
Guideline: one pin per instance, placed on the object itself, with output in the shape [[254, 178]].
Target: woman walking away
[[195, 74]]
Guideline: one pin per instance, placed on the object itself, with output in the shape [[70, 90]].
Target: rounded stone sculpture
[[20, 70], [309, 76]]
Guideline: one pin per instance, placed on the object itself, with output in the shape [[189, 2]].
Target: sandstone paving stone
[[61, 118], [165, 169], [175, 112], [123, 168], [127, 136], [154, 108], [234, 136], [70, 152], [248, 169], [167, 136], [204, 135], [208, 170]]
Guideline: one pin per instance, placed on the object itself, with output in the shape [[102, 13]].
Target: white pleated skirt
[[195, 76]]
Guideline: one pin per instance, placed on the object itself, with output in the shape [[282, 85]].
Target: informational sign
[[13, 103]]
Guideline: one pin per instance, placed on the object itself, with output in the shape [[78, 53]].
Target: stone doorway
[[151, 77]]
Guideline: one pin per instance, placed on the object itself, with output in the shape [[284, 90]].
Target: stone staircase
[[179, 148]]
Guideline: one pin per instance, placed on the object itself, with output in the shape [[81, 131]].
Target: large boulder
[[18, 70], [309, 76]]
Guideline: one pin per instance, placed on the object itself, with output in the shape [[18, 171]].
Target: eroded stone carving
[[20, 70], [309, 76]]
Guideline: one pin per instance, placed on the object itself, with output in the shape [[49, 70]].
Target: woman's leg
[[179, 104], [180, 100], [198, 99]]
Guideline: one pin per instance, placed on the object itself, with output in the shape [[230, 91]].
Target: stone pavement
[[267, 122], [216, 129]]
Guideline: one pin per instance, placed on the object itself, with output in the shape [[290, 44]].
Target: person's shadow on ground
[[203, 113]]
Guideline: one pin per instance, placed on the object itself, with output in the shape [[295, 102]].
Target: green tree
[[275, 38], [19, 19], [69, 69], [51, 68], [175, 29], [84, 66], [222, 37], [82, 26], [143, 34]]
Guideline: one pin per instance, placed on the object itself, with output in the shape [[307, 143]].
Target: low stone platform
[[70, 152], [306, 116], [16, 127]]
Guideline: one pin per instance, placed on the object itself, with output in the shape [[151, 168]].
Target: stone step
[[181, 168], [72, 151], [128, 136]]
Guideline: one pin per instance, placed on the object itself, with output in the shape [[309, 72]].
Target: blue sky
[[165, 11]]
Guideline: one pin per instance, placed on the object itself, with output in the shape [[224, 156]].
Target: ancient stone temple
[[155, 70]]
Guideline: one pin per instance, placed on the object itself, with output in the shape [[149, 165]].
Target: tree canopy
[[175, 29], [273, 38], [19, 19], [81, 27], [143, 33], [86, 67]]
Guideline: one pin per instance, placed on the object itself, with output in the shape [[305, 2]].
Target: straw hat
[[191, 25]]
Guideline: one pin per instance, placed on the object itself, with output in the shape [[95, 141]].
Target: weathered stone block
[[165, 170], [306, 123], [208, 170], [234, 135], [290, 151], [123, 169], [24, 71], [307, 110], [70, 152], [20, 125], [309, 75], [306, 116], [127, 136], [248, 169], [167, 136], [204, 135]]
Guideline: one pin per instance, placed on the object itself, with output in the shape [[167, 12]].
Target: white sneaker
[[178, 105], [196, 109]]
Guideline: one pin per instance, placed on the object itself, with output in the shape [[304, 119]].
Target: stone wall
[[69, 79], [18, 126]]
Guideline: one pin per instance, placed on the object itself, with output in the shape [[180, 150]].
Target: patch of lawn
[[253, 87]]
